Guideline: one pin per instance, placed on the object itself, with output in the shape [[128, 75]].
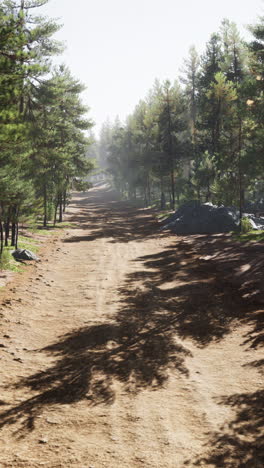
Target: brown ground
[[133, 348]]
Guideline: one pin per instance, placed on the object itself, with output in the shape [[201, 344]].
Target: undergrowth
[[251, 236], [50, 228], [7, 261]]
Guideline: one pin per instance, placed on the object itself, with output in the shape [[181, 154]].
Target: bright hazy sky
[[118, 47]]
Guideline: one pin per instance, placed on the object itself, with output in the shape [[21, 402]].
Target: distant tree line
[[42, 120], [201, 137]]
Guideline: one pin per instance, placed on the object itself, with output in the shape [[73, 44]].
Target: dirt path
[[126, 350]]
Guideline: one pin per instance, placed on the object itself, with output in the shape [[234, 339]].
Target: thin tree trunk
[[13, 233], [55, 213], [7, 227], [64, 201], [171, 155], [148, 190], [240, 176], [162, 195], [162, 201], [14, 229], [7, 231], [61, 209], [145, 197], [208, 194], [172, 187], [1, 238], [16, 239], [45, 218]]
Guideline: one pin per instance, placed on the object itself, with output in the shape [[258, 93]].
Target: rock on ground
[[24, 254], [196, 218]]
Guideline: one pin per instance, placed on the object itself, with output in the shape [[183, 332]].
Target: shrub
[[245, 225]]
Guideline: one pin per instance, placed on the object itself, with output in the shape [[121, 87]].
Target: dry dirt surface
[[129, 347]]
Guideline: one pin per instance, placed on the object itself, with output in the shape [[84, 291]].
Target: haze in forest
[[118, 48]]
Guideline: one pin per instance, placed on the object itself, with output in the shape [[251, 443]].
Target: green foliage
[[250, 236], [245, 225], [203, 175], [42, 120], [81, 185], [203, 140], [7, 261]]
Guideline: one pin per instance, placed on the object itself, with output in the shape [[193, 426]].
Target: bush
[[245, 225]]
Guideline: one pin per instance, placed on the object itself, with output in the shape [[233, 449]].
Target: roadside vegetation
[[251, 236], [32, 237], [43, 123]]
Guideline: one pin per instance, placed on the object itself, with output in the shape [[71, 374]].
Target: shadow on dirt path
[[176, 293], [240, 443], [105, 216]]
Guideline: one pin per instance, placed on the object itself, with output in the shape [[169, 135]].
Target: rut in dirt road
[[139, 354]]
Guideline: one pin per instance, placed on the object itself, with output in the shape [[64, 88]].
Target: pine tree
[[26, 46], [191, 80], [59, 148]]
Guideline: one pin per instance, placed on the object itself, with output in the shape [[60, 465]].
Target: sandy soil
[[128, 347]]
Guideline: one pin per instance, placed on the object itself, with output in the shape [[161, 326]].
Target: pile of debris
[[196, 218]]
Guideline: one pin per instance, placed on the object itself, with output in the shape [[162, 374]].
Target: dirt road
[[127, 350]]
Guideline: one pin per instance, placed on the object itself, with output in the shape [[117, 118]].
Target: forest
[[128, 340], [200, 137], [42, 121]]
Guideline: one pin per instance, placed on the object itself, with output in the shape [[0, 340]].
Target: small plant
[[245, 225]]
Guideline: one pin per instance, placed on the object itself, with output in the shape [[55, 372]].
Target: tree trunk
[[61, 209], [240, 176], [208, 194], [162, 201], [148, 190], [145, 197], [13, 233], [7, 230], [16, 236], [55, 213], [14, 228], [45, 218], [1, 238], [64, 200], [172, 186]]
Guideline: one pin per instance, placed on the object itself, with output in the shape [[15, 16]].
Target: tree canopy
[[200, 137], [42, 120]]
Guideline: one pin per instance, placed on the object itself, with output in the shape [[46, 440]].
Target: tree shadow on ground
[[204, 298], [137, 350], [118, 221], [239, 444], [175, 292], [236, 270]]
